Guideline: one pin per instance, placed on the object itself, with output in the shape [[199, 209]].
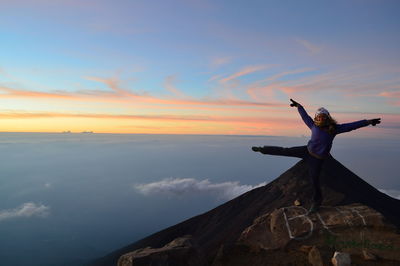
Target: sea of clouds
[[79, 196], [26, 210], [183, 186]]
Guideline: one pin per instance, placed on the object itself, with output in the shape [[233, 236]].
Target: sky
[[197, 67]]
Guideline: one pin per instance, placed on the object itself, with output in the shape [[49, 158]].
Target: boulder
[[355, 229], [179, 252], [341, 259], [314, 257], [369, 256]]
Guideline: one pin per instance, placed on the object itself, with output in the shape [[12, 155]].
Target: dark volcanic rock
[[353, 229], [179, 252], [217, 231], [353, 222]]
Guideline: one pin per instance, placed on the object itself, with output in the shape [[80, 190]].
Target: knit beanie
[[322, 110]]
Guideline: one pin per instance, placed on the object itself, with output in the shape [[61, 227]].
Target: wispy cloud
[[6, 92], [311, 47], [114, 85], [233, 111], [107, 116], [117, 94], [219, 61], [266, 87], [188, 186], [350, 81], [170, 85], [243, 72], [392, 96], [28, 209], [209, 118], [288, 73], [215, 77]]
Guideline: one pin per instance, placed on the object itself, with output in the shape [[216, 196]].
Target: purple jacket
[[320, 143]]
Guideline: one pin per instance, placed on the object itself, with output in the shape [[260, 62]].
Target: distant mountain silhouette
[[224, 225]]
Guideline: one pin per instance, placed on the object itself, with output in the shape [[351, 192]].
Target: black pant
[[314, 164]]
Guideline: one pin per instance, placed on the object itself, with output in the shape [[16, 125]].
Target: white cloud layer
[[27, 209], [182, 186], [391, 192]]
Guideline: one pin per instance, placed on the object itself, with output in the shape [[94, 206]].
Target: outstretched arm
[[306, 118], [341, 128]]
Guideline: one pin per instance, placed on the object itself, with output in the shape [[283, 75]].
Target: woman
[[323, 130]]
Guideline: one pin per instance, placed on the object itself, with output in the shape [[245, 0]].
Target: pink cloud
[[219, 61], [169, 84], [114, 85], [311, 47], [243, 72], [393, 96], [265, 88], [215, 77], [216, 118], [290, 72], [390, 94], [359, 81], [275, 123], [15, 93], [118, 94]]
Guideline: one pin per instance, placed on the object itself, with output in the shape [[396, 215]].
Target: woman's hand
[[375, 121], [294, 103]]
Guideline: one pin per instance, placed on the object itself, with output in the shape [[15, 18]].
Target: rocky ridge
[[270, 226]]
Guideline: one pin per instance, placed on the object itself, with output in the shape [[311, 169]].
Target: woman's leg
[[300, 151], [315, 166]]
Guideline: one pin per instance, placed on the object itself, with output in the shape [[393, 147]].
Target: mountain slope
[[224, 224]]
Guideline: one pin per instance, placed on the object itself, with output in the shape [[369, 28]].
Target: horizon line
[[176, 134]]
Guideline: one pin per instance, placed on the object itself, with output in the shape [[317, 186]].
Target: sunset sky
[[197, 66]]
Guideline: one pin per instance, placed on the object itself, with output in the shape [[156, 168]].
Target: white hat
[[322, 110]]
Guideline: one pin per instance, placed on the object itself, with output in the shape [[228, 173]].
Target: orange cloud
[[216, 118], [113, 84], [6, 92], [118, 94], [202, 116], [390, 94], [270, 123], [122, 123]]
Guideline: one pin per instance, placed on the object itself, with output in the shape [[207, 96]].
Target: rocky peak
[[269, 224]]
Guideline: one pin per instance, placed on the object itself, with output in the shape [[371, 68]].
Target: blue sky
[[234, 64]]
